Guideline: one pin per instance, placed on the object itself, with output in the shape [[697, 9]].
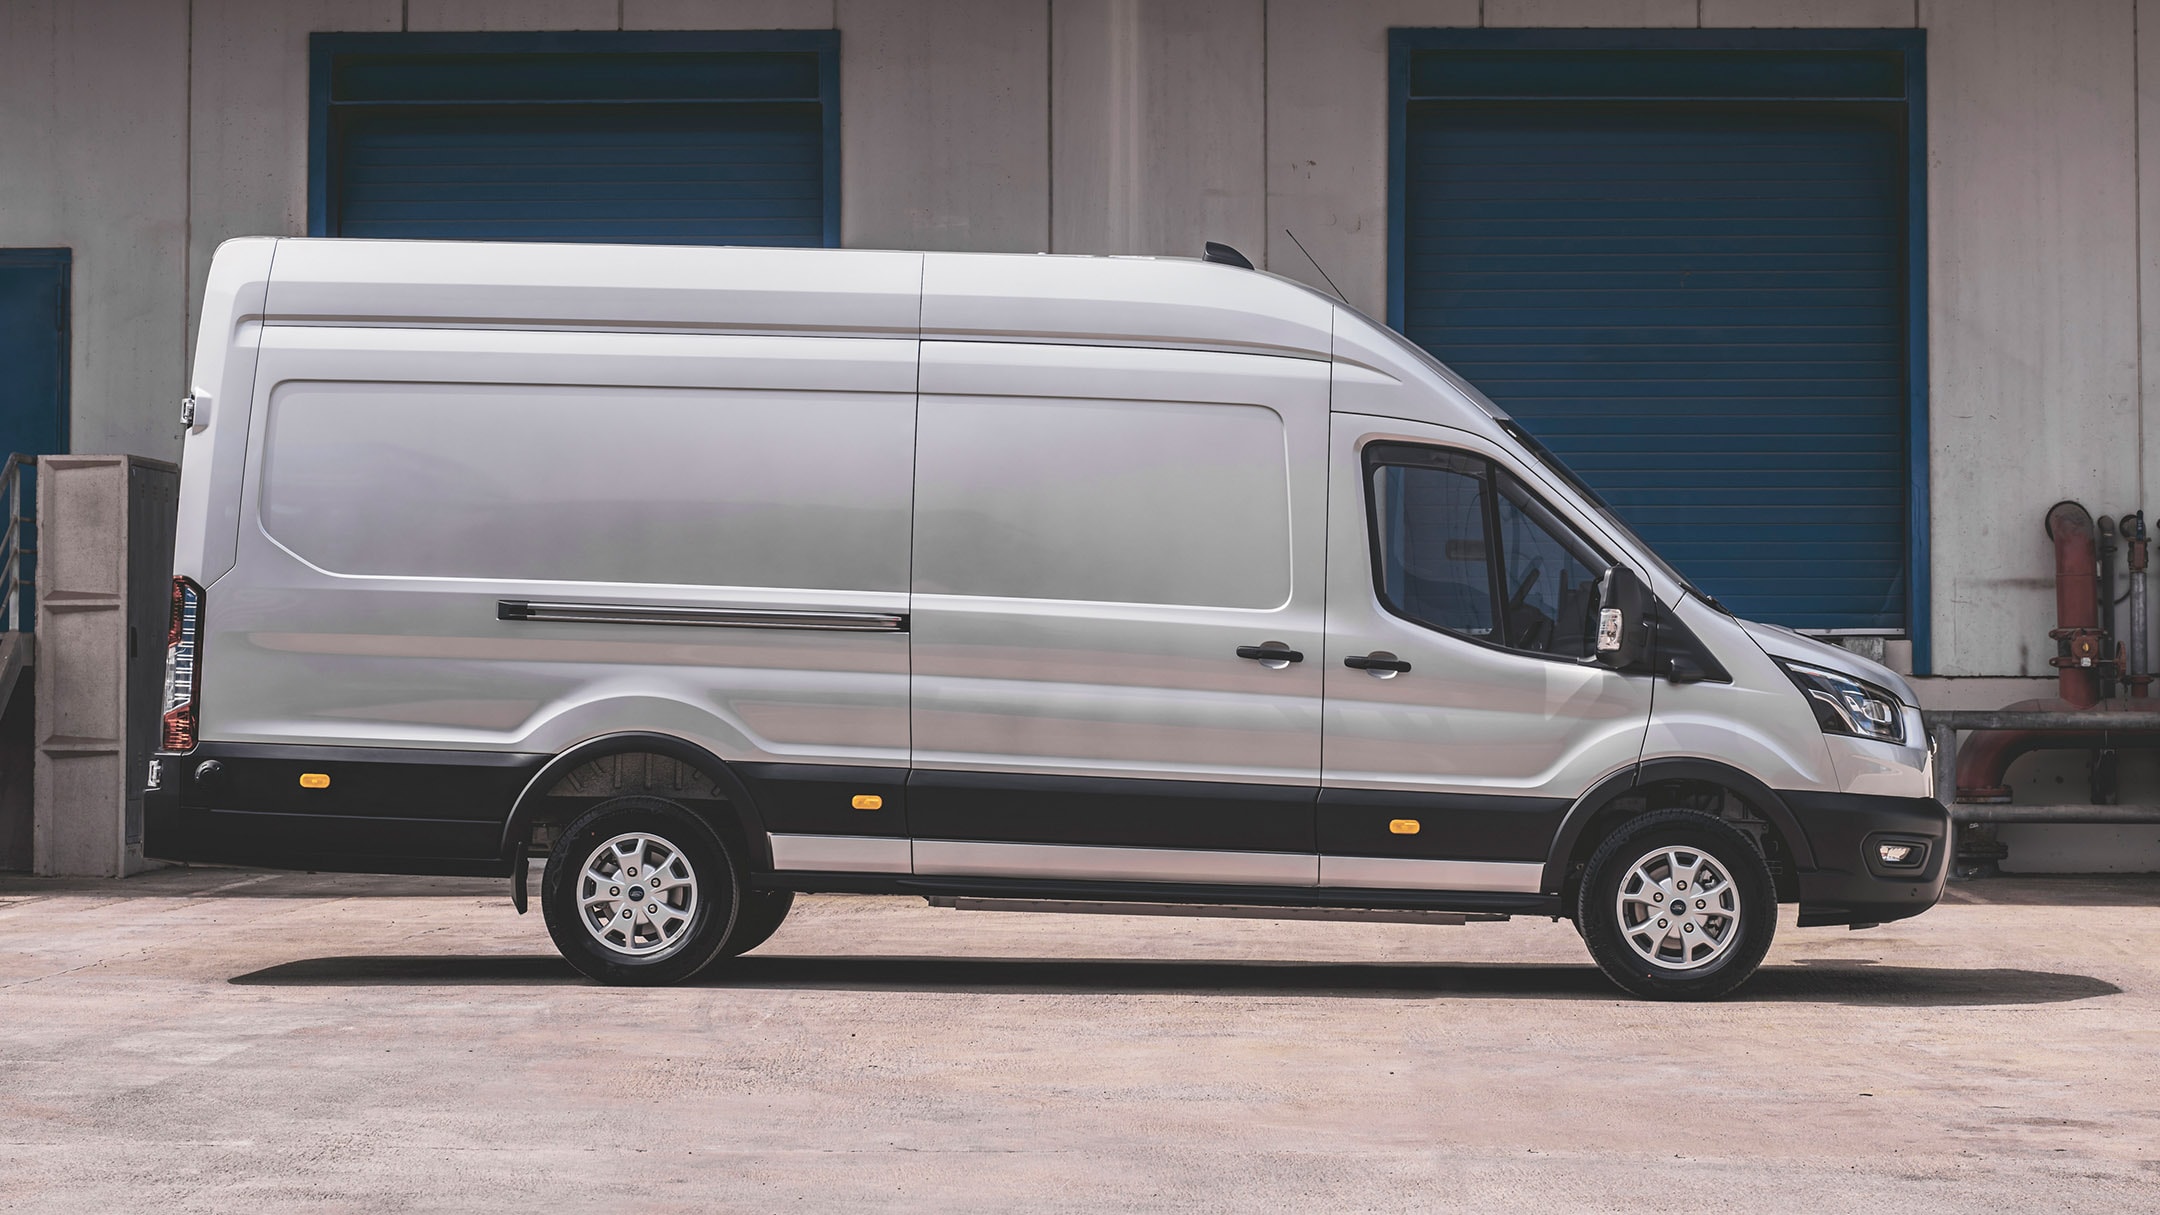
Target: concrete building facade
[[139, 134]]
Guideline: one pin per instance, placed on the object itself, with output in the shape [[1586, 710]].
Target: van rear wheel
[[640, 891], [1677, 905]]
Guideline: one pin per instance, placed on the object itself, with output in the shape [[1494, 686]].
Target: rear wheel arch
[[639, 762], [1662, 784]]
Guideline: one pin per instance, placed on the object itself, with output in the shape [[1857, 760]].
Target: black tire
[[1701, 965], [760, 916], [656, 950]]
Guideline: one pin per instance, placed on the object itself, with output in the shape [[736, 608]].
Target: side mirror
[[1625, 610]]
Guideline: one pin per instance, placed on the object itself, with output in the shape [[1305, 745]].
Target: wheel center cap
[[636, 893]]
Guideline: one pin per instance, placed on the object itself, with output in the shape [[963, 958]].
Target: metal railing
[[1944, 725], [18, 546]]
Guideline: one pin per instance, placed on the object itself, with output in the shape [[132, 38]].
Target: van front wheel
[[1677, 905], [641, 891]]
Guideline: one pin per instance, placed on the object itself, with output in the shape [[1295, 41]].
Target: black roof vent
[[1224, 255]]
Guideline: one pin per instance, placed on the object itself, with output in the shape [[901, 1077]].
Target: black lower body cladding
[[411, 810], [1850, 884], [338, 809]]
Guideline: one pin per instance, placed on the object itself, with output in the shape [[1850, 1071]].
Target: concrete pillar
[[1158, 126], [945, 125], [104, 532]]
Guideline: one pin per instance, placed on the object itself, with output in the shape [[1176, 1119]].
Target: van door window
[[1461, 545], [1431, 532], [1552, 577]]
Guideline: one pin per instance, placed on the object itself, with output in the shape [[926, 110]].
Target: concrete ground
[[221, 1040]]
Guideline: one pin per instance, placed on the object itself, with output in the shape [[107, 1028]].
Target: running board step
[[1213, 910]]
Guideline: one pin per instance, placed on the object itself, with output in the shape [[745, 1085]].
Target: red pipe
[[1985, 756], [2077, 602]]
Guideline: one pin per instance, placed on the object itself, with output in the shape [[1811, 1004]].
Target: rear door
[[1100, 533], [1464, 715]]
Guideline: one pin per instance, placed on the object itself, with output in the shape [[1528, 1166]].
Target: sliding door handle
[[1379, 663], [1274, 655]]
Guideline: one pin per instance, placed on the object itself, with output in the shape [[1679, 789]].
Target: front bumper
[[1850, 884]]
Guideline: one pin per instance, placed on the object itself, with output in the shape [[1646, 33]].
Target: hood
[[1781, 642]]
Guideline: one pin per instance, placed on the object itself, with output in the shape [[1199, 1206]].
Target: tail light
[[183, 667]]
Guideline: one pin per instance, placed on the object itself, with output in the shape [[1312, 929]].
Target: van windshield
[[1557, 467], [1540, 452]]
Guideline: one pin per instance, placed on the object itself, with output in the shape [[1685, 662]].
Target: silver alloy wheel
[[1678, 908], [637, 894]]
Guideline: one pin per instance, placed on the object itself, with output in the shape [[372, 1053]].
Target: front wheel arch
[[1600, 812]]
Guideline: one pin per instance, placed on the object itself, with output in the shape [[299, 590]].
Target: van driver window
[[1465, 547], [1551, 585], [1431, 528]]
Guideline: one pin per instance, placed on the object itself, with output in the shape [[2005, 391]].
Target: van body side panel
[[414, 494], [1757, 723], [1098, 531], [1477, 751]]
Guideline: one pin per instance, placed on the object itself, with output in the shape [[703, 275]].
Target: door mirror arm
[[1626, 615]]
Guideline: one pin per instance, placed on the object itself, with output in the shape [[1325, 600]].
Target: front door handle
[[1380, 663], [1274, 655]]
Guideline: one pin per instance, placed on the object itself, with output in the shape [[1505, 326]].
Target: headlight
[[1844, 705]]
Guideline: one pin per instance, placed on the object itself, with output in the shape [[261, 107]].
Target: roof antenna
[[1316, 265], [1225, 255]]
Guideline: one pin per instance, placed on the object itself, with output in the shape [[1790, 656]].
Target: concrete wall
[[143, 132], [2032, 235], [93, 156], [1159, 131], [945, 125]]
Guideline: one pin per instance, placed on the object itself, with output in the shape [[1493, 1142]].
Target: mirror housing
[[1626, 612]]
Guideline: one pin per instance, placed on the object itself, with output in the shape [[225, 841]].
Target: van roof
[[854, 292]]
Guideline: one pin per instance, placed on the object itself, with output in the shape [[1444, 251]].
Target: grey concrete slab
[[228, 1040]]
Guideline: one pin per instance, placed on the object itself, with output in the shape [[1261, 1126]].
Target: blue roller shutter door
[[34, 317], [642, 146], [1699, 304]]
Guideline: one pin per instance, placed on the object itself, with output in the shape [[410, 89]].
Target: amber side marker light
[[868, 801], [314, 780], [1403, 826]]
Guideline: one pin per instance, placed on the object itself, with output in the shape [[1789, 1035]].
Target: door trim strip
[[1078, 862], [1411, 873], [839, 853], [978, 858], [723, 618]]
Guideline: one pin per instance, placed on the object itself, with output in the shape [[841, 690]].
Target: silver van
[[715, 575]]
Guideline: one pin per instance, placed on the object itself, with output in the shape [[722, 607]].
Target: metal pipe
[[2017, 718], [2052, 725], [2139, 678], [2077, 604], [2105, 600], [2055, 814], [2084, 651]]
